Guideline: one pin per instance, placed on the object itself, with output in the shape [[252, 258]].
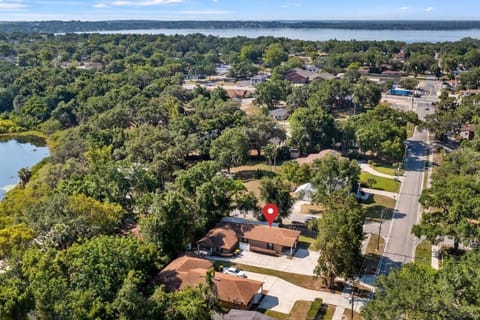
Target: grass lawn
[[381, 183], [301, 280], [300, 310], [375, 205], [254, 166], [306, 242], [274, 314], [423, 253], [326, 312], [384, 169], [348, 315], [372, 255]]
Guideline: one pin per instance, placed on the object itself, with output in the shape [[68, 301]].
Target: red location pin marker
[[270, 212]]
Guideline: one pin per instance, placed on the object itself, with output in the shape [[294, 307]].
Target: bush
[[314, 308]]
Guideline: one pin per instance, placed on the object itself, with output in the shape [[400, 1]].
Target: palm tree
[[24, 174]]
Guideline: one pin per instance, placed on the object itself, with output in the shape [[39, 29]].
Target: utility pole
[[380, 229]]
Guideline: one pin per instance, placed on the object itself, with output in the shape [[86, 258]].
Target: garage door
[[244, 246]]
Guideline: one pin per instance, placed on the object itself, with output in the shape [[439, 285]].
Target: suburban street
[[399, 242]]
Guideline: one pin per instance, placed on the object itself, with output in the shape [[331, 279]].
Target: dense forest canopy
[[87, 26]]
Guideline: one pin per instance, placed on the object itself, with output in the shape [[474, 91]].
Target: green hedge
[[314, 308]]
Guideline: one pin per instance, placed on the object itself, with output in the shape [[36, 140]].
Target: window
[[270, 246]]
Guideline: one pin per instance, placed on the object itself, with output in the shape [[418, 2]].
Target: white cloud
[[404, 8], [144, 3], [100, 5], [429, 9], [11, 5]]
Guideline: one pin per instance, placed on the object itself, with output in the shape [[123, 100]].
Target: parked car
[[234, 272], [308, 219]]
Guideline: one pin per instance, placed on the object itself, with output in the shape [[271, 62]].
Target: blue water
[[15, 155], [408, 36]]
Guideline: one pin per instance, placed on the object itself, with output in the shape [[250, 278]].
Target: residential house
[[227, 237], [322, 154], [91, 66], [326, 76], [233, 292], [311, 68], [305, 192], [260, 78], [238, 93], [467, 132], [300, 76], [279, 114]]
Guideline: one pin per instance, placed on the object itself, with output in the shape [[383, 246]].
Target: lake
[[16, 154], [408, 36]]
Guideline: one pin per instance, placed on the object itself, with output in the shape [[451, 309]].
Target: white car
[[234, 272]]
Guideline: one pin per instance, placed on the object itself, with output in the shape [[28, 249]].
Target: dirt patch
[[311, 209], [254, 186]]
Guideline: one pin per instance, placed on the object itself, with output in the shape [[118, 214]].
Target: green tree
[[230, 148], [331, 174], [260, 129], [170, 224], [295, 173], [24, 174], [405, 292], [340, 238], [274, 55], [419, 292], [275, 190], [312, 129]]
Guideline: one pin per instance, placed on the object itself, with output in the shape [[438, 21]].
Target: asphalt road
[[400, 244]]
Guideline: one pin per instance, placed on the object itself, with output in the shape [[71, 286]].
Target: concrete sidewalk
[[338, 315], [392, 195]]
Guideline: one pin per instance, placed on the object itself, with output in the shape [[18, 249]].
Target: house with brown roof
[[467, 132], [300, 76], [227, 237], [315, 156], [233, 292]]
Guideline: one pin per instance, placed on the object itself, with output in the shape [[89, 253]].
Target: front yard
[[375, 204], [380, 183]]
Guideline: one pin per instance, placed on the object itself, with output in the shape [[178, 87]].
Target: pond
[[17, 153]]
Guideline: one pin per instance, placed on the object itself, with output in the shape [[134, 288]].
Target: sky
[[91, 10]]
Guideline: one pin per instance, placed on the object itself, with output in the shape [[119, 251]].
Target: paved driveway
[[282, 294], [303, 262]]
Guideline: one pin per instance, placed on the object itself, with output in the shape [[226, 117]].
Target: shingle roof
[[222, 237], [322, 154], [274, 235], [190, 271], [281, 236]]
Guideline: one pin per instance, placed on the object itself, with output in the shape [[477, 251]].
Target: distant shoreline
[[112, 25]]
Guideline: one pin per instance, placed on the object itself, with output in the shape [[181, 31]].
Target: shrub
[[314, 308]]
